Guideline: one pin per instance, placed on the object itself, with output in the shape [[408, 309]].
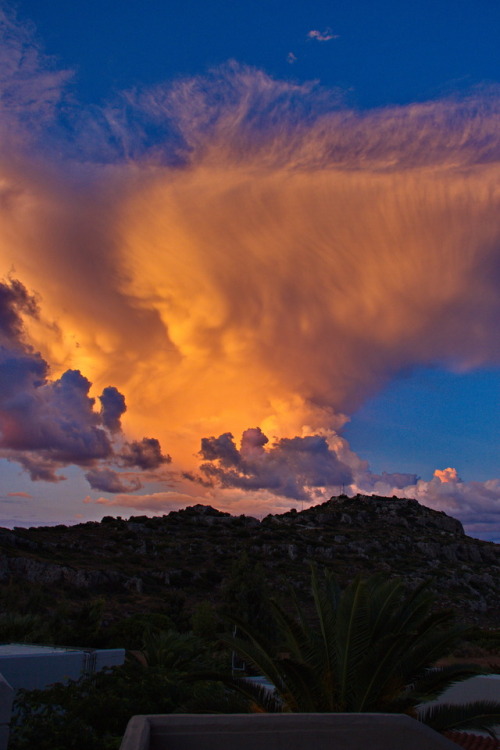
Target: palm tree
[[371, 648], [169, 649]]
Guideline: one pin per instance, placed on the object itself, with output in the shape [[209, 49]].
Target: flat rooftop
[[28, 649]]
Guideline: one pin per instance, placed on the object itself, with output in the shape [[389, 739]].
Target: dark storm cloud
[[55, 418], [112, 407], [108, 480], [220, 449], [40, 469], [47, 424], [145, 454], [292, 467], [14, 300]]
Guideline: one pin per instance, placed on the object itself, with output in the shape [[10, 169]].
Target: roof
[[28, 649]]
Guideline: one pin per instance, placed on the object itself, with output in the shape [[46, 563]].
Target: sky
[[250, 257]]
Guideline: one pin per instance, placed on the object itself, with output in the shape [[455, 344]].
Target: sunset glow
[[267, 265]]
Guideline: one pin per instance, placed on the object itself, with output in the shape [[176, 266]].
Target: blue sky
[[430, 413], [383, 52], [414, 414]]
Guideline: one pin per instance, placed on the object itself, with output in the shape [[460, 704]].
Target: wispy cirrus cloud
[[322, 36]]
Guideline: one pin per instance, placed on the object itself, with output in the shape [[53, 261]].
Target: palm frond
[[481, 715], [326, 600], [294, 679], [263, 699], [426, 648], [352, 635], [255, 653], [385, 596], [294, 635], [433, 682], [379, 670]]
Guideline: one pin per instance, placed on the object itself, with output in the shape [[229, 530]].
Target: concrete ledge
[[137, 734], [281, 732]]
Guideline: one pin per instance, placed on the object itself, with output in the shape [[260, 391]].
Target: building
[[34, 667]]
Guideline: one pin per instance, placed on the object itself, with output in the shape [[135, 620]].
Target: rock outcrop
[[191, 551]]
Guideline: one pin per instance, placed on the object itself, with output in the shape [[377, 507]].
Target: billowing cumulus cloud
[[446, 475], [47, 424], [53, 419], [231, 250], [112, 408], [144, 454], [222, 449], [108, 480], [291, 467]]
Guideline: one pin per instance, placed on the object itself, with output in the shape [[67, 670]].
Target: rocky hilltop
[[138, 562]]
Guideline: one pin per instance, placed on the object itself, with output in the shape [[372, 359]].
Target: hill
[[168, 564]]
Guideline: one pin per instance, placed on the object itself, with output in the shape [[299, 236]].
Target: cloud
[[291, 58], [108, 480], [222, 449], [258, 504], [47, 424], [20, 494], [446, 475], [145, 454], [293, 468], [54, 418], [476, 504], [39, 467], [112, 408], [322, 36], [157, 501], [233, 250], [396, 481], [31, 85], [14, 300]]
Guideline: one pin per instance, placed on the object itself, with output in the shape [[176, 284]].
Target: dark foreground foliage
[[369, 648], [92, 713]]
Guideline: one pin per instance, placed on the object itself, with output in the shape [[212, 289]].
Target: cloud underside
[[231, 254], [46, 423]]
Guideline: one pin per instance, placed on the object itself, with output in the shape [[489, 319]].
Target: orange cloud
[[275, 270], [447, 475]]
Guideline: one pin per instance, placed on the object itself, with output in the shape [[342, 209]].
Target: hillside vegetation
[[171, 565]]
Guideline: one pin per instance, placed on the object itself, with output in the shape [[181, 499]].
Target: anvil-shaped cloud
[[235, 252]]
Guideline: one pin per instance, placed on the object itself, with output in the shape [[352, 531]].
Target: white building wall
[[35, 671]]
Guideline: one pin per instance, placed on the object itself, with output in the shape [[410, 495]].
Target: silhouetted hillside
[[173, 562]]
